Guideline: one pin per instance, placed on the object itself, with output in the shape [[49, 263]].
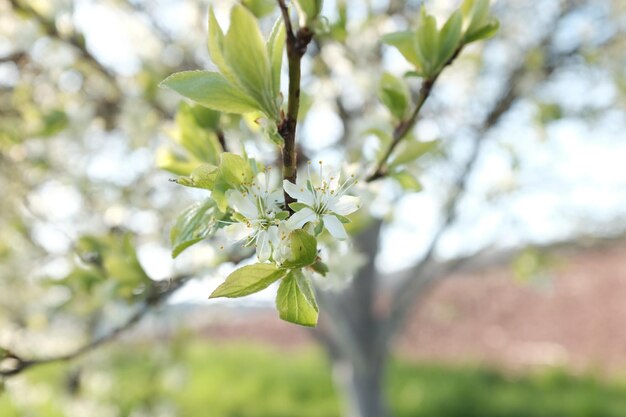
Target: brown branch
[[405, 126], [159, 292], [297, 44]]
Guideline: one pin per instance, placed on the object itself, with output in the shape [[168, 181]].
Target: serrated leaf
[[235, 170], [407, 181], [211, 90], [197, 222], [275, 49], [295, 300], [248, 280], [410, 150], [394, 94], [303, 249], [405, 43], [246, 54]]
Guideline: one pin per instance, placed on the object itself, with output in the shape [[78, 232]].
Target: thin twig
[[405, 126], [159, 292]]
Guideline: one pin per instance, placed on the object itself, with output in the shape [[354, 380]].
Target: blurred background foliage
[[86, 215]]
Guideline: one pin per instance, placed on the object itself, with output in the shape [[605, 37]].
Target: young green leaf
[[211, 90], [450, 37], [428, 43], [248, 280], [235, 170], [320, 267], [246, 54], [405, 43], [275, 49], [216, 49], [170, 161], [394, 94], [196, 223], [295, 300], [203, 176], [407, 181], [308, 10], [200, 142], [410, 150], [303, 249]]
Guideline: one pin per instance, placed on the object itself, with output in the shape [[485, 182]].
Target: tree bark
[[362, 386]]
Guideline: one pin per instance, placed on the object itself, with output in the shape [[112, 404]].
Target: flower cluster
[[260, 218]]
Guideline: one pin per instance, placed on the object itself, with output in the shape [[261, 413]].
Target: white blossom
[[326, 203], [259, 220]]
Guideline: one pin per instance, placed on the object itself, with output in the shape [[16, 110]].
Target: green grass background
[[192, 378]]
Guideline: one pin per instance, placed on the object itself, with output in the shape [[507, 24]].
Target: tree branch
[[159, 292], [297, 44], [424, 273], [405, 126]]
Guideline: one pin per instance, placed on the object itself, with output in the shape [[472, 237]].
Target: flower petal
[[237, 231], [345, 205], [301, 194], [243, 205], [300, 218], [334, 227], [263, 248]]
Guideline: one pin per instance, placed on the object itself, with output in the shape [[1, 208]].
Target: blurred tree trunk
[[358, 355]]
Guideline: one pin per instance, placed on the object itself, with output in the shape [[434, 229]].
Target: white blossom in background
[[325, 203]]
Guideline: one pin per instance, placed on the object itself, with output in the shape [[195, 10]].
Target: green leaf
[[235, 170], [218, 193], [303, 249], [295, 300], [216, 48], [407, 181], [297, 206], [203, 176], [275, 49], [308, 10], [246, 54], [478, 23], [483, 33], [248, 280], [170, 161], [428, 43], [410, 150], [450, 37], [394, 94], [406, 44], [321, 268], [200, 142], [196, 223], [260, 8], [211, 90]]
